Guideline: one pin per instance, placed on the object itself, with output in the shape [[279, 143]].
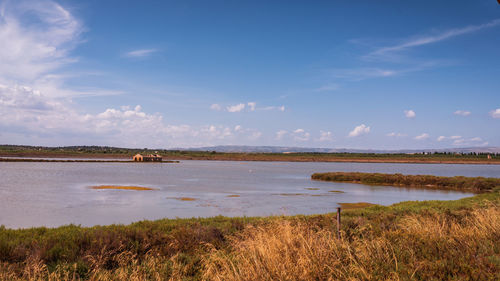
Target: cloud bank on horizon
[[69, 76]]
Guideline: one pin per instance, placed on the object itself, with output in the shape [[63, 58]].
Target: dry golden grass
[[122, 187], [427, 246], [434, 247]]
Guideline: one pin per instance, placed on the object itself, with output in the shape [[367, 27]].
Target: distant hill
[[283, 149]]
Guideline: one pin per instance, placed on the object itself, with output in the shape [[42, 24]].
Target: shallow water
[[54, 194]]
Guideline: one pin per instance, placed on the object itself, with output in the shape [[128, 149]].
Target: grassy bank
[[477, 184], [429, 240], [125, 153], [78, 160]]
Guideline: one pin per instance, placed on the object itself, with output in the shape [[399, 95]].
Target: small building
[[489, 156], [147, 158]]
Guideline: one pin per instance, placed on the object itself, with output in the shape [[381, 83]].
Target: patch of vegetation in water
[[233, 195], [312, 188], [183, 198], [292, 194], [357, 205], [476, 184], [122, 187], [336, 191]]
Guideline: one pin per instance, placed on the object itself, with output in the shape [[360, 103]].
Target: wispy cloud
[[392, 60], [30, 53], [251, 106], [280, 134], [279, 108], [394, 134], [429, 39], [216, 107], [37, 38], [248, 107], [141, 53], [325, 136], [462, 112], [423, 136], [328, 88]]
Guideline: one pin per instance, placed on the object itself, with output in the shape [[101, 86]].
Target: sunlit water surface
[[54, 194]]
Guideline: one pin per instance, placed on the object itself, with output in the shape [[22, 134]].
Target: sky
[[169, 74]]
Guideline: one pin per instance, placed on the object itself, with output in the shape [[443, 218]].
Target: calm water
[[54, 194]]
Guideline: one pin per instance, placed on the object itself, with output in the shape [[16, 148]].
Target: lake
[[54, 194]]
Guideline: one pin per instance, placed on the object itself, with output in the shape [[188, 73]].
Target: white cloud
[[394, 134], [280, 108], [359, 130], [422, 136], [301, 135], [216, 107], [28, 114], [462, 112], [236, 108], [141, 53], [251, 106], [495, 113], [410, 114], [325, 136], [442, 138]]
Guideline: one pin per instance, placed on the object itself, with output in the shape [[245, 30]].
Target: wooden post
[[338, 222]]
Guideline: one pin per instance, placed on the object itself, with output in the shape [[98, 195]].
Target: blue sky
[[163, 74]]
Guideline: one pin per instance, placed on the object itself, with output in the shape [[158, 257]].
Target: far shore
[[268, 157]]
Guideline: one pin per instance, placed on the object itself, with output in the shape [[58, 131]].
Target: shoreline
[[257, 157], [78, 160]]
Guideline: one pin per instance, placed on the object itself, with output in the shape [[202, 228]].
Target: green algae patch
[[336, 191], [122, 187], [358, 205]]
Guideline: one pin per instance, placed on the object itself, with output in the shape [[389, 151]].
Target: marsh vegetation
[[427, 240]]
